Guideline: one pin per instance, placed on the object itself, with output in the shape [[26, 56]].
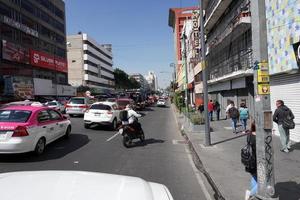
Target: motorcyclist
[[132, 117]]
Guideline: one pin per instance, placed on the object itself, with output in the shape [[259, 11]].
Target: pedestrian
[[201, 108], [210, 109], [230, 105], [244, 115], [217, 109], [248, 155], [284, 117], [234, 115]]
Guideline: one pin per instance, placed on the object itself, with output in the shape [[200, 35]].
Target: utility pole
[[174, 75], [204, 76], [185, 73], [263, 113]]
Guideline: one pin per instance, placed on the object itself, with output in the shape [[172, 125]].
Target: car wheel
[[87, 126], [40, 146], [114, 124], [68, 131]]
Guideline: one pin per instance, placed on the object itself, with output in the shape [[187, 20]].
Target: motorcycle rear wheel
[[127, 141]]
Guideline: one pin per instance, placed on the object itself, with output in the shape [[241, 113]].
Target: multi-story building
[[141, 80], [90, 64], [152, 81], [229, 52], [283, 28], [33, 51], [177, 17]]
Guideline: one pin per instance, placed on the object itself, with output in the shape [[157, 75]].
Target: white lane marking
[[112, 137], [76, 162], [197, 174]]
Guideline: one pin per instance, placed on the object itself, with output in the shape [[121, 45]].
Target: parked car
[[114, 100], [161, 103], [102, 113], [122, 102], [22, 103], [30, 128], [56, 105], [77, 106], [81, 186]]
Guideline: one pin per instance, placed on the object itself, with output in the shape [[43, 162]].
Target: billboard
[[14, 52], [47, 61]]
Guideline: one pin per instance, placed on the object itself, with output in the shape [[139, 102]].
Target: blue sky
[[137, 29]]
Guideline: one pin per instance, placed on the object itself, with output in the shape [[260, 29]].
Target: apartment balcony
[[214, 10], [234, 67]]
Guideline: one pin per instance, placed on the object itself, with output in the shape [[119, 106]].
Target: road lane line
[[197, 174], [112, 137]]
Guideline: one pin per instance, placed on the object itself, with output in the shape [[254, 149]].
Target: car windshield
[[51, 103], [100, 107], [123, 103], [77, 101], [14, 115]]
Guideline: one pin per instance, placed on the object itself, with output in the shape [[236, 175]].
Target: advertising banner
[[47, 61], [23, 87], [14, 52]]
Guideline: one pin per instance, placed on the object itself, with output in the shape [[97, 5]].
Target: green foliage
[[196, 118], [123, 81], [82, 88]]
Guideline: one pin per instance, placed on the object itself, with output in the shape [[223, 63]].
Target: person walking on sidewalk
[[230, 105], [210, 110], [244, 115], [283, 116], [250, 161], [217, 109], [234, 115]]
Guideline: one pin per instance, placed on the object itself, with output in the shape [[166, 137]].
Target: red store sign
[[47, 61]]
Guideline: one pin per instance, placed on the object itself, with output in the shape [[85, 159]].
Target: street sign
[[263, 89], [263, 76]]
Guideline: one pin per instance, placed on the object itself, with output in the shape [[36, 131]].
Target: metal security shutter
[[287, 88]]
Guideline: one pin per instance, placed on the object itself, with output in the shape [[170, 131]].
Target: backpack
[[233, 112], [288, 122], [123, 115], [244, 113], [248, 157]]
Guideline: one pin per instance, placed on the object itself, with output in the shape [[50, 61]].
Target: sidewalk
[[222, 162]]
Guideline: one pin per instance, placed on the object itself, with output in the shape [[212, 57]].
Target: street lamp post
[[204, 76], [174, 75]]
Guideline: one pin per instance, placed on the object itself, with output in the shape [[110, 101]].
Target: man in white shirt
[[131, 114]]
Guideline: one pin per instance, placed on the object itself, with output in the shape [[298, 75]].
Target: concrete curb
[[198, 163]]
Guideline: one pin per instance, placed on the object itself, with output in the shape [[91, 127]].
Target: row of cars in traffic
[[27, 126]]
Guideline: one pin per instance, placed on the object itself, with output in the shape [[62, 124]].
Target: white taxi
[[102, 113], [30, 128]]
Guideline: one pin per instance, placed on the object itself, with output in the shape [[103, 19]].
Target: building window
[[7, 32], [28, 7], [29, 22], [5, 10]]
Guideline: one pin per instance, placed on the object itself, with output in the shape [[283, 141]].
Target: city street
[[161, 159]]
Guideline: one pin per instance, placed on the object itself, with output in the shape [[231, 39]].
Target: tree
[[123, 81]]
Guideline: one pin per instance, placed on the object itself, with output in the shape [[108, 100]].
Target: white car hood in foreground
[[77, 185]]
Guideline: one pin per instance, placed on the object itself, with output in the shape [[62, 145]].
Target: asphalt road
[[161, 159]]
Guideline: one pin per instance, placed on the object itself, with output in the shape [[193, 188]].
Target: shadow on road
[[147, 142], [55, 150], [229, 139], [295, 146], [147, 109], [287, 190]]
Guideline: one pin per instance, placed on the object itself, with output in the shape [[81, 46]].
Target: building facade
[[33, 49], [141, 80], [177, 17], [90, 64], [283, 25], [152, 81], [229, 52]]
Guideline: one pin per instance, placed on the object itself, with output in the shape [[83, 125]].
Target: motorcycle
[[131, 132]]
